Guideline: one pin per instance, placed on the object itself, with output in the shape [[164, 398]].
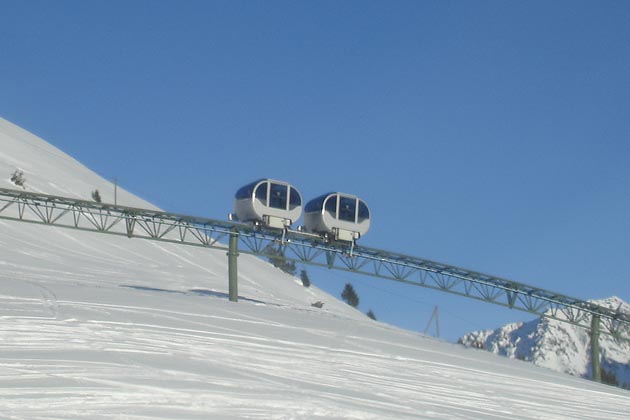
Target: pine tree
[[371, 315], [609, 378], [96, 196], [350, 296], [306, 282]]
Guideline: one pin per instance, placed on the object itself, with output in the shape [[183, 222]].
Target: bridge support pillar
[[595, 363], [232, 266]]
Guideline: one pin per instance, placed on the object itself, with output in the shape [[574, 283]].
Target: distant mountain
[[559, 346]]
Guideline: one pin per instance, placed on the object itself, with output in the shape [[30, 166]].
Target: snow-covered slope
[[48, 170], [96, 326], [559, 346], [102, 262]]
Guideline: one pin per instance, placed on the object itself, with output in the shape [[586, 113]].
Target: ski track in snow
[[106, 360]]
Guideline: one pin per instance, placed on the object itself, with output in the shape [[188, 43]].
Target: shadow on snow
[[201, 292]]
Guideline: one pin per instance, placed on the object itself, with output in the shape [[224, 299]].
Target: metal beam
[[232, 267], [307, 249], [595, 363]]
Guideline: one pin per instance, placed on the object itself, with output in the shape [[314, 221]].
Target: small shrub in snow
[[18, 178]]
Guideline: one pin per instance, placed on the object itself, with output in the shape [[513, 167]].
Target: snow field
[[97, 326]]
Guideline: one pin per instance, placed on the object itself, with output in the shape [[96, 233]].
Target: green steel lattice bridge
[[309, 249]]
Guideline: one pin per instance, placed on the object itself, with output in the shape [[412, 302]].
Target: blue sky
[[492, 135]]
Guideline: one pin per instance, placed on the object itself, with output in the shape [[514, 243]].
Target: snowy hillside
[[96, 326], [48, 170], [559, 346]]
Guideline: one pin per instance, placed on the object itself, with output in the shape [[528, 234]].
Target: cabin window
[[331, 206], [294, 199], [364, 213], [315, 205], [261, 193], [278, 196], [347, 209], [246, 191]]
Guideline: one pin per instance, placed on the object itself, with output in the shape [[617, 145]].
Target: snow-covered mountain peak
[[615, 303], [559, 346]]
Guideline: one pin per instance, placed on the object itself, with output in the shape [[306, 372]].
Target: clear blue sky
[[492, 135]]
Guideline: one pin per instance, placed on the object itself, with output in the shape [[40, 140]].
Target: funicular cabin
[[338, 216], [268, 202]]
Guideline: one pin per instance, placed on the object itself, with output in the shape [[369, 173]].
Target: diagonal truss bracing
[[117, 220], [307, 249]]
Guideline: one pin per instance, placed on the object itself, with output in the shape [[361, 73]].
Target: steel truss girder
[[118, 220], [307, 249], [425, 273]]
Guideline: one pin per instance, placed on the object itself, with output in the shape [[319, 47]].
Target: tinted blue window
[[294, 199], [364, 213], [261, 192], [331, 206], [278, 196], [246, 191], [347, 209], [315, 204]]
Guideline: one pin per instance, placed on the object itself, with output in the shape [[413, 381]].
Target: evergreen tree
[[306, 282], [371, 315], [609, 378], [350, 296]]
